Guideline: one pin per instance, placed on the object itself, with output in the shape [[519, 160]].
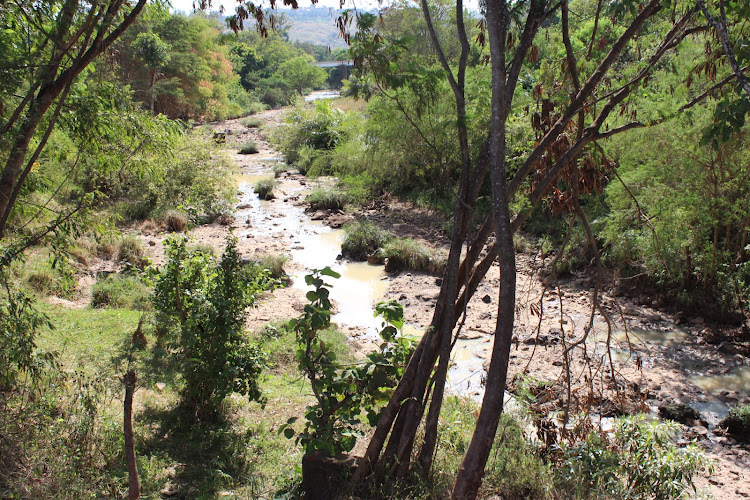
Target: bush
[[737, 422], [640, 461], [253, 122], [208, 300], [264, 189], [274, 264], [405, 254], [679, 412], [279, 169], [248, 149], [130, 251], [327, 199], [362, 239], [175, 221], [121, 291]]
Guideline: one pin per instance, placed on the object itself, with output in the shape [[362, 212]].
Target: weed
[[175, 220], [121, 291], [327, 199], [362, 239], [405, 254], [130, 251], [264, 189], [274, 264], [248, 149], [252, 122], [641, 460], [279, 169], [737, 422]]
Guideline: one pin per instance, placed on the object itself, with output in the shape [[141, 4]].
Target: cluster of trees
[[526, 108], [533, 105]]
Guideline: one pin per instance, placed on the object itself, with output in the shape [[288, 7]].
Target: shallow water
[[737, 379]]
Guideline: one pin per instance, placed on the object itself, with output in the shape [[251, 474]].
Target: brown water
[[737, 379]]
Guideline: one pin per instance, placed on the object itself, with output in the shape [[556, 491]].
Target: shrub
[[737, 422], [279, 169], [208, 300], [175, 221], [327, 199], [362, 239], [405, 254], [121, 291], [255, 107], [343, 392], [264, 189], [248, 149], [253, 122], [274, 264], [130, 251], [640, 461]]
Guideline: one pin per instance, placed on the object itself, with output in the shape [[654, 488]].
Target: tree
[[300, 73], [67, 35], [150, 49], [570, 120]]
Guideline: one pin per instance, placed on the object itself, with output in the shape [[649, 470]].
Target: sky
[[187, 5]]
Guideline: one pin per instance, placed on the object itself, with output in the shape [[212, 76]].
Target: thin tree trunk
[[134, 484]]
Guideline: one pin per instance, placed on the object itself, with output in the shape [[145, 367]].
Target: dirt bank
[[665, 358]]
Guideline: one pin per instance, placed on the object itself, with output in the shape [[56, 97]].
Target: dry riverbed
[[663, 358]]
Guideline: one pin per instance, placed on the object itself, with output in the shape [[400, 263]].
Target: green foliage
[[130, 251], [311, 132], [687, 228], [116, 290], [343, 392], [186, 63], [640, 461], [327, 199], [301, 74], [264, 189], [252, 122], [248, 149], [193, 178], [208, 300], [406, 254], [737, 422], [274, 264], [20, 323], [362, 239]]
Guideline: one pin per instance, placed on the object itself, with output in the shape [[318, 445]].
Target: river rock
[[487, 299], [679, 412]]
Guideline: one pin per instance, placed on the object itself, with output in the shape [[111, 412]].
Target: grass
[[175, 220], [248, 149], [737, 422], [362, 239], [130, 251], [279, 169], [264, 189], [275, 265], [406, 254], [252, 122], [117, 290], [327, 199]]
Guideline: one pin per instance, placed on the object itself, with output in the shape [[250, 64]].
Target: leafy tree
[[150, 49], [209, 302], [301, 74], [50, 30]]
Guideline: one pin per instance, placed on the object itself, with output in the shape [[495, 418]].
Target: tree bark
[[134, 484], [53, 85]]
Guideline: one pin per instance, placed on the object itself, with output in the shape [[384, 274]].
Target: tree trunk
[[134, 484]]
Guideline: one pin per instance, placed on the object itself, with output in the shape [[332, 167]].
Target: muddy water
[[737, 379], [313, 246]]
